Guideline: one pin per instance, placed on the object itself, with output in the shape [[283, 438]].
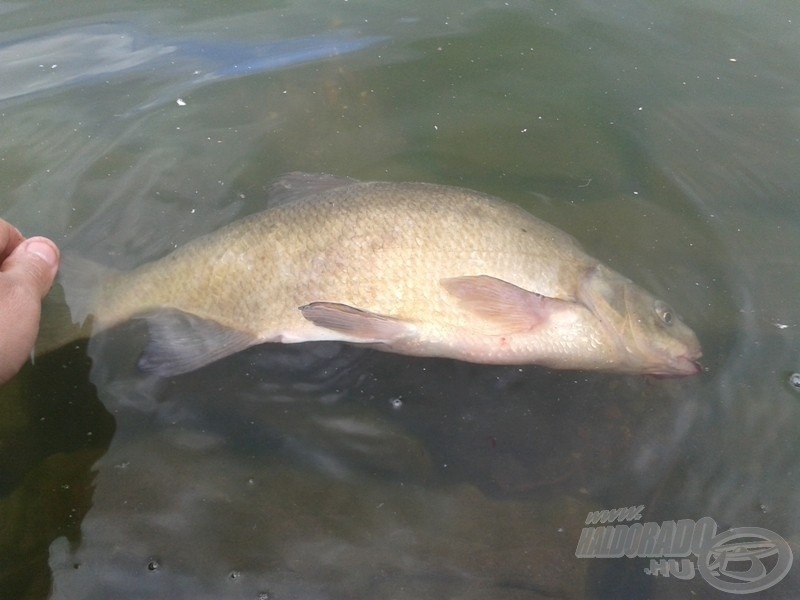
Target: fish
[[416, 269]]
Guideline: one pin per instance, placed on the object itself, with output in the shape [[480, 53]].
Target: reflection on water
[[102, 53], [290, 534], [662, 135], [52, 431], [323, 470]]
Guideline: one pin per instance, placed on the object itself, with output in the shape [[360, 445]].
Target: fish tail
[[67, 308]]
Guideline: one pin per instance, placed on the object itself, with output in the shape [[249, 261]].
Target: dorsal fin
[[294, 185]]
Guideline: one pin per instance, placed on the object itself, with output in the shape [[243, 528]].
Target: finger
[[10, 238], [33, 265]]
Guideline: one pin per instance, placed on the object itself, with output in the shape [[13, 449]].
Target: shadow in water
[[53, 430]]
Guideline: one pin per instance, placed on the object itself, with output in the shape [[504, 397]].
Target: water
[[664, 135]]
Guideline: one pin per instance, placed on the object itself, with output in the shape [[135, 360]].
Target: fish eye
[[664, 313]]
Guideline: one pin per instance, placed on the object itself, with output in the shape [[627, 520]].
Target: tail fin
[[57, 328], [68, 306]]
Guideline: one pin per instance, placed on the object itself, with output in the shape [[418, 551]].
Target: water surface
[[663, 135]]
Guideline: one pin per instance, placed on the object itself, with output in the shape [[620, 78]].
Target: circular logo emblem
[[744, 560]]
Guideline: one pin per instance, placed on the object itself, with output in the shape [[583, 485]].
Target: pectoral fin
[[181, 342], [512, 307], [367, 326]]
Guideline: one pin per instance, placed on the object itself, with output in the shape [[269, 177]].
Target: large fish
[[412, 268]]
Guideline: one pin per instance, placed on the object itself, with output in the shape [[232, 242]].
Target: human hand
[[27, 270]]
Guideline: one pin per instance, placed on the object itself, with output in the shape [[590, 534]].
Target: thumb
[[34, 263]]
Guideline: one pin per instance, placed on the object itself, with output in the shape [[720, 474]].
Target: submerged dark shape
[[97, 53]]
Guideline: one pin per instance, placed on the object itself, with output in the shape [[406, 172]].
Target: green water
[[663, 135]]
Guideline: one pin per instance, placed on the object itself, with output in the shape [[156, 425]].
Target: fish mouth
[[679, 366], [688, 366]]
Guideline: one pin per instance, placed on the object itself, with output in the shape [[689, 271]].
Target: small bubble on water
[[154, 565], [397, 403], [794, 380]]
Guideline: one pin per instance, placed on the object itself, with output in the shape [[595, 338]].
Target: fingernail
[[44, 250]]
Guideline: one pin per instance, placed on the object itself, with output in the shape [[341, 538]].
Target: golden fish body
[[412, 268]]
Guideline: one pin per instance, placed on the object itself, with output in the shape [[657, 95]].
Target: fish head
[[645, 334]]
